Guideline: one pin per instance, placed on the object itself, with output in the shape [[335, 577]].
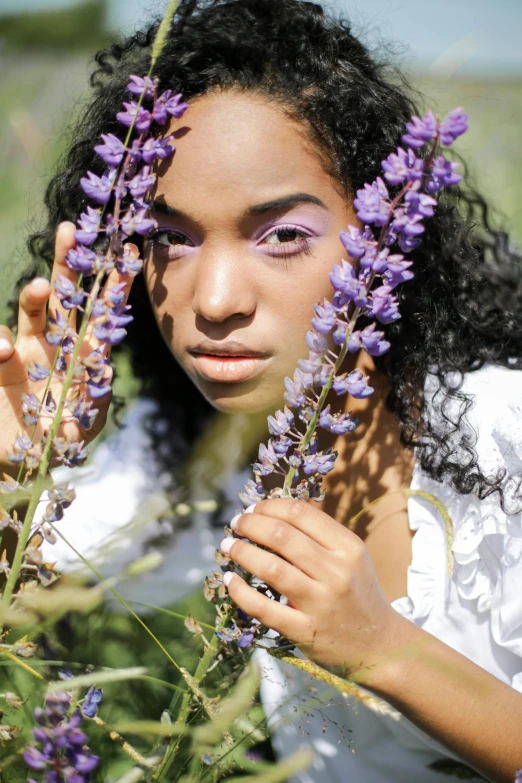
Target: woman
[[289, 116]]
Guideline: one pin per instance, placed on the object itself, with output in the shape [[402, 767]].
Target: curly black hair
[[462, 310]]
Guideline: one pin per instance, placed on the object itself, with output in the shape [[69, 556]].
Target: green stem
[[44, 464], [203, 665], [116, 595]]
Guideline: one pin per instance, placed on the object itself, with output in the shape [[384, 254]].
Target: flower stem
[[46, 457]]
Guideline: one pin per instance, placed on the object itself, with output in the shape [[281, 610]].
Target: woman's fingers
[[32, 315], [273, 570], [6, 344], [285, 539], [321, 527], [64, 242], [289, 622]]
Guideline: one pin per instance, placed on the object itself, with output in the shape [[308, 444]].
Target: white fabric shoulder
[[477, 610]]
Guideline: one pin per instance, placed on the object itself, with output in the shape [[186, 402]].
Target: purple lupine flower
[[91, 702], [358, 243], [166, 105], [455, 124], [281, 422], [321, 462], [311, 364], [72, 454], [398, 271], [344, 280], [99, 188], [401, 166], [419, 204], [30, 409], [98, 389], [95, 364], [109, 334], [81, 259], [69, 294], [442, 174], [37, 372], [57, 329], [339, 335], [136, 221], [129, 263], [316, 342], [116, 294], [246, 639], [384, 305], [89, 223], [281, 444], [369, 285], [141, 183], [133, 113], [294, 396], [407, 227], [120, 315], [338, 423], [112, 150], [82, 411], [141, 85], [157, 149], [322, 377], [420, 131], [373, 341], [64, 754], [325, 316], [254, 492], [353, 383], [372, 204]]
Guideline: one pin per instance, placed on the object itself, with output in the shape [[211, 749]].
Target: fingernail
[[226, 544], [39, 280], [227, 577], [234, 521], [250, 509], [5, 345]]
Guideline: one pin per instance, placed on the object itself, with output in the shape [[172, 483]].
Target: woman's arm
[[454, 700], [339, 616]]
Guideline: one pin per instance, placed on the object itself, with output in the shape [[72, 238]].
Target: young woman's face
[[248, 230]]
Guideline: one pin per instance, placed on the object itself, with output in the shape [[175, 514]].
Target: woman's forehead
[[242, 145]]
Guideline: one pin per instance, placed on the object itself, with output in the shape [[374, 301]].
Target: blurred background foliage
[[45, 59]]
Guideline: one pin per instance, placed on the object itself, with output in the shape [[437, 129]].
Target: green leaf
[[280, 772], [155, 727], [97, 678], [230, 709]]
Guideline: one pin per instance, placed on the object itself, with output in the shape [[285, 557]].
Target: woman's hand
[[338, 614], [32, 346]]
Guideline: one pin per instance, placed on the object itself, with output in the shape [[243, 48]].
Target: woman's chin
[[247, 398]]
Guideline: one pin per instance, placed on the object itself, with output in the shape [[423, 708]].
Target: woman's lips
[[228, 369]]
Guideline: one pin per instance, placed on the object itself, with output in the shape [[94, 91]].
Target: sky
[[468, 37]]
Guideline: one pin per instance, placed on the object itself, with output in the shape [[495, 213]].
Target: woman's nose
[[223, 288]]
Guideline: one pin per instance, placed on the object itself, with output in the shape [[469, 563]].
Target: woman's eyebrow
[[162, 208], [284, 202]]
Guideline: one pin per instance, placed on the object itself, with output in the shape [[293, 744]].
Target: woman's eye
[[169, 238], [287, 240]]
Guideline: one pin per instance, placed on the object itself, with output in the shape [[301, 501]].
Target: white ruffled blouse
[[477, 610]]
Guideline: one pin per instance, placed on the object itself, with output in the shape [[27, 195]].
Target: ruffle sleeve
[[477, 609]]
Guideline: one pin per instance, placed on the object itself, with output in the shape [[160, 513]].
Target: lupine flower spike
[[61, 754], [364, 287], [120, 209]]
